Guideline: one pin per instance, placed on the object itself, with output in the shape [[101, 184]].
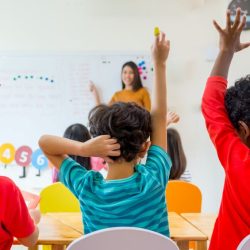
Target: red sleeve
[[17, 219], [230, 148]]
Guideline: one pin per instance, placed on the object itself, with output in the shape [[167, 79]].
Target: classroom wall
[[81, 25]]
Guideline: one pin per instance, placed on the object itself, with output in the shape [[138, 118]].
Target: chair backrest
[[183, 197], [123, 238], [57, 198], [245, 243]]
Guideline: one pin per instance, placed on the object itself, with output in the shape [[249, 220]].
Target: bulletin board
[[44, 94]]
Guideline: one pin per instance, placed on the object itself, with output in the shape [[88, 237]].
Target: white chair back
[[244, 244], [123, 238]]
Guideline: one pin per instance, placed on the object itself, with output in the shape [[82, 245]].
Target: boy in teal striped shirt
[[133, 194]]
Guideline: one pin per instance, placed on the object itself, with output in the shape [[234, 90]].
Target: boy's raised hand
[[102, 146], [160, 49], [230, 35], [229, 43]]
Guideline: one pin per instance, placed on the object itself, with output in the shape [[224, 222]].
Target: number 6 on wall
[[39, 160]]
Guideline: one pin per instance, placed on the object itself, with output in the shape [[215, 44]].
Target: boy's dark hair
[[78, 132], [237, 102], [129, 123], [137, 84], [176, 153]]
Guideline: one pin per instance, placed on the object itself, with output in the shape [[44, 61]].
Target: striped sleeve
[[73, 175], [158, 164]]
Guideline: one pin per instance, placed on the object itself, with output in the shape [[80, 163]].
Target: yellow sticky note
[[156, 31]]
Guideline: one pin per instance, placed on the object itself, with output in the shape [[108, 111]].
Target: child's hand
[[160, 49], [230, 36], [35, 215], [102, 146], [172, 117]]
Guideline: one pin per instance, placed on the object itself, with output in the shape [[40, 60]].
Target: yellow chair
[[183, 197], [57, 198]]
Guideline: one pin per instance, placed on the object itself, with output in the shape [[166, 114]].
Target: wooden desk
[[181, 231], [73, 220], [55, 233], [202, 221]]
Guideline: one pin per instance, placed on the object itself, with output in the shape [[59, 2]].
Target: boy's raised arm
[[160, 51], [213, 101], [57, 148], [229, 43]]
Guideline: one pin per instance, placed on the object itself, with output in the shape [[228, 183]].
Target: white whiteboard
[[46, 93]]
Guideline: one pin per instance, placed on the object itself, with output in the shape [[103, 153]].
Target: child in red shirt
[[227, 116], [15, 220]]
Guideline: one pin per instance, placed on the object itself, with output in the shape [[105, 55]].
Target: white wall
[[82, 25]]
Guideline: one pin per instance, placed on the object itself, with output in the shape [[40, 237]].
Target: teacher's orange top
[[140, 97]]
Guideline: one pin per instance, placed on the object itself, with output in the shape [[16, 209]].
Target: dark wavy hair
[[129, 123], [176, 153], [237, 102], [137, 84], [78, 132]]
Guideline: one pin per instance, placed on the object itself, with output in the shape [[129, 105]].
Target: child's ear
[[244, 130], [144, 149]]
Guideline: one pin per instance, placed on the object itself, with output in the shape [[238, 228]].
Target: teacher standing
[[132, 88]]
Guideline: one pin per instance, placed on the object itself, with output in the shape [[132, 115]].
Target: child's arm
[[229, 43], [18, 222], [222, 133], [57, 148], [31, 240], [160, 50], [95, 92]]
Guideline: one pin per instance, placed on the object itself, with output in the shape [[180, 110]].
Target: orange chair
[[183, 197]]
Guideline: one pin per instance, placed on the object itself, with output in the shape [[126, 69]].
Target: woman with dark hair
[[132, 88]]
